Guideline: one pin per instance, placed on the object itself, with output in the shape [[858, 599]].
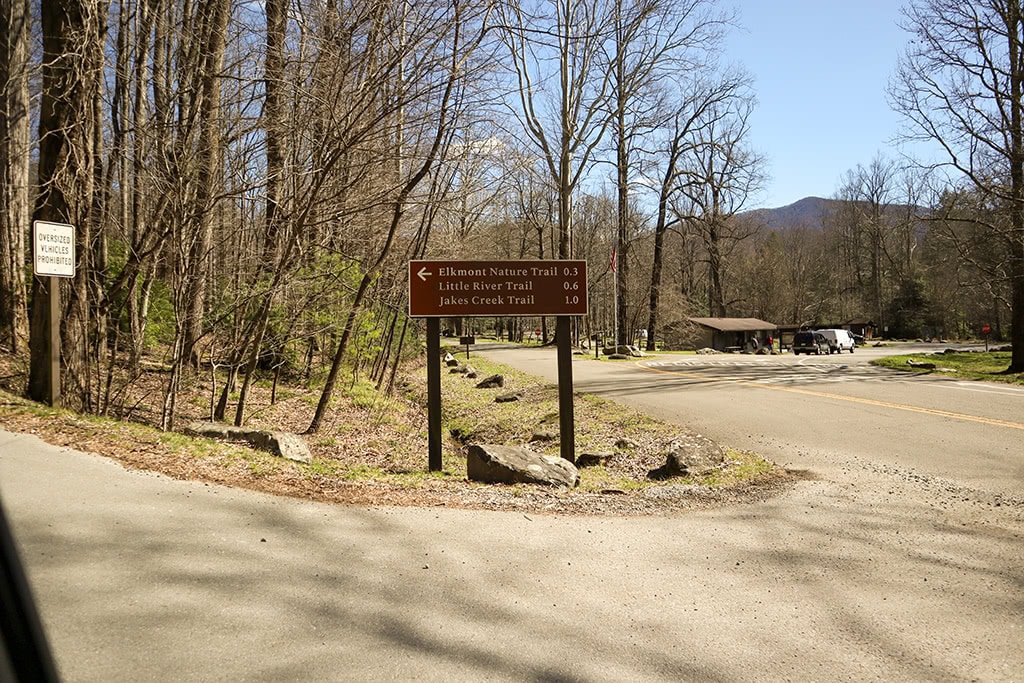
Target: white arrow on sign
[[423, 273]]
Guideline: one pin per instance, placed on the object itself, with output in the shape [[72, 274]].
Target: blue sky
[[820, 68]]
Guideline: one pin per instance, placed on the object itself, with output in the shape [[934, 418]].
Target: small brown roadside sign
[[497, 288]]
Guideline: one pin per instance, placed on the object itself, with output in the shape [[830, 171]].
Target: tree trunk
[[622, 239], [655, 295], [1016, 189], [273, 116], [214, 22], [65, 157], [14, 170]]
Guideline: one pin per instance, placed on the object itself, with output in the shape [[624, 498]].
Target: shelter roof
[[735, 324]]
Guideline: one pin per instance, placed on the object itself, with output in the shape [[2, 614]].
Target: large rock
[[623, 350], [513, 465], [593, 458], [283, 444], [691, 455], [492, 382]]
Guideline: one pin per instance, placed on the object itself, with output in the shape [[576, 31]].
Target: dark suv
[[809, 342]]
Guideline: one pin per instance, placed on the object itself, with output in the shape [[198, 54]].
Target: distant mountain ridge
[[808, 212], [804, 213]]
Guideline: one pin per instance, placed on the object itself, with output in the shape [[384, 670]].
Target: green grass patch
[[600, 478], [990, 366], [740, 466]]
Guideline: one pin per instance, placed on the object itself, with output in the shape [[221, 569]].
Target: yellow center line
[[853, 399]]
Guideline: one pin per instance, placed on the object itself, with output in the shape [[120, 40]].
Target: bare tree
[[441, 48], [698, 106], [726, 174], [211, 24], [961, 84], [15, 116], [966, 260], [869, 196], [654, 40], [557, 50], [274, 129]]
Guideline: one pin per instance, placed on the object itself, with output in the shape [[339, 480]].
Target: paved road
[[869, 571], [822, 412]]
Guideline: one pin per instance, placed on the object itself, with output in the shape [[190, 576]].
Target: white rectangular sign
[[53, 249]]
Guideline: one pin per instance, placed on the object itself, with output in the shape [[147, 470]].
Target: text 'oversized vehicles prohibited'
[[497, 288]]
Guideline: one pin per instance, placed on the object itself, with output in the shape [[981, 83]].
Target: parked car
[[838, 340], [809, 342]]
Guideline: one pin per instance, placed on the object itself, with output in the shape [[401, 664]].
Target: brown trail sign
[[467, 289], [497, 288]]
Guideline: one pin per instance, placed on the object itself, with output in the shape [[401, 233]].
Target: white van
[[838, 340]]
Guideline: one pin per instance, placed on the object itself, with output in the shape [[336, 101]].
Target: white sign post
[[53, 249], [53, 257]]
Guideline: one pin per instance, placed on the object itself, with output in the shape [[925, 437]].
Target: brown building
[[732, 334]]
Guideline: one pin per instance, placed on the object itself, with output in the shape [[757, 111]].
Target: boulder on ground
[[492, 382], [494, 464], [594, 458], [450, 360], [691, 455], [623, 350], [283, 444], [508, 398]]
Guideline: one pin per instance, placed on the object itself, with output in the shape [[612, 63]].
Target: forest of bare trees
[[248, 180]]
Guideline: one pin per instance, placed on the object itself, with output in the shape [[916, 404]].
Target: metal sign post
[[498, 289], [53, 257], [434, 394]]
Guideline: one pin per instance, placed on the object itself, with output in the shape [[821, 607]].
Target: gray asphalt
[[821, 413], [872, 576]]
